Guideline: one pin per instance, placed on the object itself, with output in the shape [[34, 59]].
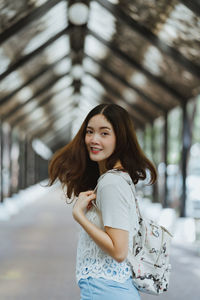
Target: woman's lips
[[95, 150]]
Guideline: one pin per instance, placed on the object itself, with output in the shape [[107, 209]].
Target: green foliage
[[152, 139]]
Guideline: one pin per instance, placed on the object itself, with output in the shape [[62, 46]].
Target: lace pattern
[[94, 262]]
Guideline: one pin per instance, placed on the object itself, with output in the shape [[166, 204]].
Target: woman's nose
[[94, 138]]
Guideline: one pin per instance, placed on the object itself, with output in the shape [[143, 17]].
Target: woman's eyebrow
[[103, 127]]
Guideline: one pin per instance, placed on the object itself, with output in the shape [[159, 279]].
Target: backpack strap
[[136, 200]]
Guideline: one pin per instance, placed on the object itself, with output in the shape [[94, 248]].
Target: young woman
[[107, 214]]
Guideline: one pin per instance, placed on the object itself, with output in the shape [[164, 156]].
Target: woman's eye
[[89, 131], [104, 133]]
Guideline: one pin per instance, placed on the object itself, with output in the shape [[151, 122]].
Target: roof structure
[[55, 66]]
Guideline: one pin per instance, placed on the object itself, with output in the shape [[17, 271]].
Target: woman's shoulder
[[117, 185], [116, 178]]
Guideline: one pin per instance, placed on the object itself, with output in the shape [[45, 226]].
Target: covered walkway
[[38, 249], [61, 58]]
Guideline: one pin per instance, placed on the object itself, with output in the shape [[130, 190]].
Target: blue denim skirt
[[104, 289]]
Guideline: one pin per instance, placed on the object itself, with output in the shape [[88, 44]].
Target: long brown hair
[[76, 171]]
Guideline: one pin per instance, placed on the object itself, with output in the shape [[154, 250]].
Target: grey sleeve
[[114, 206]]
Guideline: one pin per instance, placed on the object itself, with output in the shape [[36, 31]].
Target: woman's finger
[[89, 193], [92, 197]]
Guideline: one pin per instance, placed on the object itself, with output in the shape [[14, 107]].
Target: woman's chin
[[95, 158]]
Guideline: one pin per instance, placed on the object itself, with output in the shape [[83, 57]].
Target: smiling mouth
[[95, 150]]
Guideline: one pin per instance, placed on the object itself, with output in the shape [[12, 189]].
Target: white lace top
[[116, 205]]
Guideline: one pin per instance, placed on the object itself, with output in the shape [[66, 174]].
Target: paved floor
[[38, 249]]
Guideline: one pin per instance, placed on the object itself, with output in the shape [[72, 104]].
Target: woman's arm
[[112, 241]]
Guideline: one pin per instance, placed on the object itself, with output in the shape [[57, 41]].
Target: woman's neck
[[102, 167]]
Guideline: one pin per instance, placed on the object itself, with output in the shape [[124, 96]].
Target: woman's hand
[[83, 202]]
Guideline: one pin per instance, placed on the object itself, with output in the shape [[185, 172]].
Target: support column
[[15, 153], [1, 163], [20, 176], [185, 148], [22, 164], [145, 147], [6, 149], [153, 151], [30, 154], [165, 152], [37, 164], [43, 169], [11, 141], [28, 158]]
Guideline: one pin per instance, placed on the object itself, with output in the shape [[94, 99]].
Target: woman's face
[[100, 138]]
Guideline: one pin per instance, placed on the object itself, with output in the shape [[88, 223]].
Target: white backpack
[[149, 258]]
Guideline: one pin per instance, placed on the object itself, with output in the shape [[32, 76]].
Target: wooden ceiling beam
[[24, 59], [38, 93], [193, 5], [34, 15], [41, 72], [43, 127], [44, 131], [137, 122], [133, 63], [112, 91], [141, 94], [60, 138], [151, 37], [107, 98], [42, 103]]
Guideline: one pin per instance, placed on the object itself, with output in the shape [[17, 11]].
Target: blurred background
[[59, 59]]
